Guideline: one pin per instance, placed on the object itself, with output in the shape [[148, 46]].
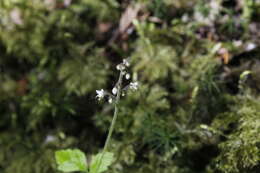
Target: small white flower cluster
[[100, 94], [132, 85], [123, 65]]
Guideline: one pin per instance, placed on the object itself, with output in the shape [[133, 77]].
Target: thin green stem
[[112, 126]]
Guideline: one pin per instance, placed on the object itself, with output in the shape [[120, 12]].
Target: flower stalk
[[117, 91], [112, 126]]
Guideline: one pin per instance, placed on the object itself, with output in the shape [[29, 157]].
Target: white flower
[[133, 85], [250, 46], [120, 67], [110, 100], [114, 91], [127, 76], [126, 63], [100, 94], [123, 94]]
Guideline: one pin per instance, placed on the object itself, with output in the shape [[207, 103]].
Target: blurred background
[[198, 64]]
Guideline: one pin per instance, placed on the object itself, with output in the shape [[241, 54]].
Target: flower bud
[[114, 91]]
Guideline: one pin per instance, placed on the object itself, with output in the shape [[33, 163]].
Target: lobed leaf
[[101, 163], [71, 160]]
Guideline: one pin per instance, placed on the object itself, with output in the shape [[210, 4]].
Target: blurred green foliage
[[189, 115]]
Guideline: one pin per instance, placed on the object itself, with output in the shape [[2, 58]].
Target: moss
[[189, 116]]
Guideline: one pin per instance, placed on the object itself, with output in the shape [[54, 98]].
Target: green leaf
[[71, 160], [100, 164]]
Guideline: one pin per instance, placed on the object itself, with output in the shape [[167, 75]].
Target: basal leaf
[[71, 160], [100, 164]]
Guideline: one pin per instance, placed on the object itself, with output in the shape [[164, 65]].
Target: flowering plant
[[75, 160]]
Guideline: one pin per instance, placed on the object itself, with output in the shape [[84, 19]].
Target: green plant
[[192, 114], [75, 160]]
